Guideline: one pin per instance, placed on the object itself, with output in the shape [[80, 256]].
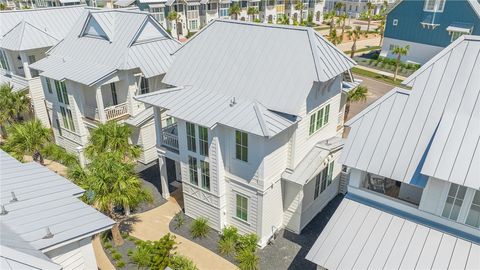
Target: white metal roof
[[275, 65], [140, 118], [208, 109], [129, 40], [314, 162], [434, 130], [124, 3], [363, 237], [43, 200], [37, 28]]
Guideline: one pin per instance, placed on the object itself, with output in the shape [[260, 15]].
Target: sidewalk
[[381, 72], [154, 224]]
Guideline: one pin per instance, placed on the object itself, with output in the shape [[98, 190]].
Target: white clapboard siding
[[37, 98]]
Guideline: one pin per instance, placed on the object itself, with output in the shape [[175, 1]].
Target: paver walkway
[[154, 224]]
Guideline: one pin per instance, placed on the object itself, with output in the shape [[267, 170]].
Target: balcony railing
[[170, 136], [111, 113]]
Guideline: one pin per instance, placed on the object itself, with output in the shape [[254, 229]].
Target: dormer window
[[434, 5], [93, 29]]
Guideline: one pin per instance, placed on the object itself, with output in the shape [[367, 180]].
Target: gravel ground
[[210, 242], [123, 249], [289, 250], [150, 175]]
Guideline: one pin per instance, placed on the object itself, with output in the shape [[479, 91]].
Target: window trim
[[435, 5], [203, 141], [205, 174], [49, 85], [469, 209], [315, 125], [193, 170], [241, 196], [191, 139], [240, 145], [455, 198]]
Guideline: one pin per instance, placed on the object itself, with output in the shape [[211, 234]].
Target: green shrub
[[247, 260], [155, 254], [230, 232], [107, 245], [199, 228], [248, 242], [120, 264], [179, 262], [116, 256], [226, 246], [179, 219]]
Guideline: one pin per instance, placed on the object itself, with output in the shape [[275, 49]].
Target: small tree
[[338, 7], [399, 51], [173, 16], [358, 94], [334, 38], [28, 138], [179, 262], [3, 6], [354, 35], [342, 21], [381, 31], [234, 11], [299, 6], [12, 105], [155, 254], [252, 11], [330, 17], [283, 19], [370, 7]]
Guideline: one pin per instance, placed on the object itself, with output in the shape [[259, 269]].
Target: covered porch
[[109, 102]]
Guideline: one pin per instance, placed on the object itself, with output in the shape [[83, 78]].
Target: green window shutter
[[312, 123], [327, 114], [59, 91], [319, 123]]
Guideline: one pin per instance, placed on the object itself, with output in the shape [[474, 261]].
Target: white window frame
[[436, 5], [191, 139], [192, 170], [241, 207], [205, 175], [319, 119], [241, 146]]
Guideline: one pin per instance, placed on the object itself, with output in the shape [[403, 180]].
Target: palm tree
[[338, 7], [370, 7], [299, 6], [112, 137], [252, 11], [27, 138], [173, 16], [12, 105], [111, 182], [330, 16], [334, 38], [354, 35], [3, 6], [358, 94], [342, 19], [381, 30], [234, 11], [399, 51]]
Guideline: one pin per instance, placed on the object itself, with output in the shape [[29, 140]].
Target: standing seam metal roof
[[435, 130], [275, 65]]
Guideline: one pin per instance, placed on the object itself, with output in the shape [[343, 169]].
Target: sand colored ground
[[153, 224]]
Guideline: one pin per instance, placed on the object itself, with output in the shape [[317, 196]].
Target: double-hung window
[[192, 168], [323, 180], [191, 141], [319, 119], [3, 60], [241, 145], [144, 86], [330, 173], [62, 94], [455, 197], [473, 216], [318, 179], [205, 167], [67, 118], [203, 140], [434, 5], [242, 207], [49, 85]]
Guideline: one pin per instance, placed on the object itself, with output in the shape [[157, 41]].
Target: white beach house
[[43, 223], [251, 127], [25, 36], [92, 75], [413, 198]]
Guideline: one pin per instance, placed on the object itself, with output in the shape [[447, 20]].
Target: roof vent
[[3, 211], [48, 233], [233, 101], [14, 198]]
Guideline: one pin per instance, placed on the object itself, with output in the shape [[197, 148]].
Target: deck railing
[[170, 136], [111, 113]]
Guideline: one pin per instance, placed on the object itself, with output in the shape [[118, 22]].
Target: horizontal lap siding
[[243, 227], [38, 100], [148, 142], [272, 211], [293, 196], [196, 207]]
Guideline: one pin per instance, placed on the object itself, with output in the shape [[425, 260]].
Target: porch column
[[162, 165], [101, 109], [158, 125], [81, 156], [26, 69]]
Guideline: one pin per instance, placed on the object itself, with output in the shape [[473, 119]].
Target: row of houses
[[254, 140]]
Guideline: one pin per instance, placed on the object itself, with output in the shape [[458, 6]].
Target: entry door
[[114, 94]]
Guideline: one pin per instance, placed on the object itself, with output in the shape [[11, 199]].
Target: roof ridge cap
[[261, 121]]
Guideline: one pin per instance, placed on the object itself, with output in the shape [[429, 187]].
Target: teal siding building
[[428, 26]]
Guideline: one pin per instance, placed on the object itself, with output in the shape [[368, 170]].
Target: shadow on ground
[[150, 175], [289, 249]]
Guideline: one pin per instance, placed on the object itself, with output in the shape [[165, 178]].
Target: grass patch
[[376, 76], [367, 49]]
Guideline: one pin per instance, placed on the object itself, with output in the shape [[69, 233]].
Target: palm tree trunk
[[343, 27], [381, 40], [354, 48], [396, 68], [368, 26], [116, 235], [176, 27], [126, 208]]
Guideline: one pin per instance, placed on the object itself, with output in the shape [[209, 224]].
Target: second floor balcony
[[169, 137], [111, 113], [109, 103]]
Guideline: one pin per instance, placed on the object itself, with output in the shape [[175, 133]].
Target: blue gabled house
[[428, 26]]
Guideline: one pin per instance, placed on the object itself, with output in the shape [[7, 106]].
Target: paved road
[[376, 89]]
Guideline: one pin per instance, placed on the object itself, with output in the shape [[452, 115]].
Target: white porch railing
[[17, 81], [170, 136], [111, 112]]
